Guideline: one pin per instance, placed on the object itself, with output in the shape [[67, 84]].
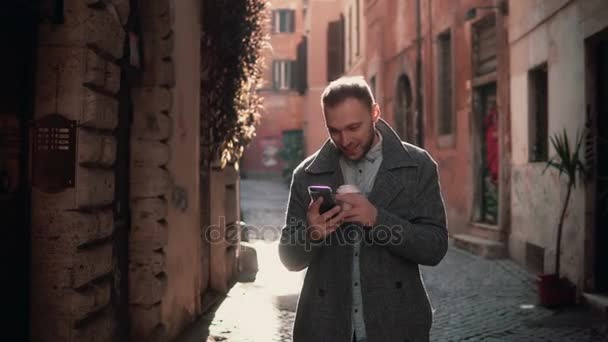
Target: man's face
[[351, 127]]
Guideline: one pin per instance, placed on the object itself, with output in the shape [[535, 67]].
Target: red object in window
[[491, 128]]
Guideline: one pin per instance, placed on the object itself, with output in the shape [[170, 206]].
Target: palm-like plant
[[568, 161]]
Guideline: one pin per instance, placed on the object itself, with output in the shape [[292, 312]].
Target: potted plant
[[554, 290]]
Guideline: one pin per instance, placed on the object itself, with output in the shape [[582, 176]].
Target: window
[[444, 84], [484, 47], [283, 21], [538, 97], [282, 74]]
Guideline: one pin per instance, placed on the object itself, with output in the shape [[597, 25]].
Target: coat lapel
[[387, 185], [394, 157]]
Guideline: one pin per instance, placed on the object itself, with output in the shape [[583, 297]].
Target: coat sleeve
[[296, 249], [423, 238]]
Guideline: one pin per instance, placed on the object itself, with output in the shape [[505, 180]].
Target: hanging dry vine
[[233, 39]]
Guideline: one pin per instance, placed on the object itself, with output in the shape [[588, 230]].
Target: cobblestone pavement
[[474, 299]]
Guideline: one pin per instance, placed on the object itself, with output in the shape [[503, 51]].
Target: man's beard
[[367, 145]]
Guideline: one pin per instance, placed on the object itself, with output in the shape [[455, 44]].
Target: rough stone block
[[94, 187], [151, 126], [100, 329], [99, 111], [155, 8], [123, 8], [149, 209], [156, 27], [60, 75], [148, 182], [152, 99], [84, 25], [144, 258], [64, 231], [149, 153], [96, 149], [89, 264], [159, 49], [150, 232], [146, 288], [113, 74], [160, 72], [102, 73], [145, 319], [91, 300]]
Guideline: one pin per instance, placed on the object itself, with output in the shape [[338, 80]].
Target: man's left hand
[[362, 211]]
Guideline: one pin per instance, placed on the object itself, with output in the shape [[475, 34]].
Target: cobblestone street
[[474, 299]]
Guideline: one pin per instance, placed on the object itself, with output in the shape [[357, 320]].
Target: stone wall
[[72, 253], [150, 179]]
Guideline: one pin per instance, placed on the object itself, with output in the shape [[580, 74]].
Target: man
[[363, 281]]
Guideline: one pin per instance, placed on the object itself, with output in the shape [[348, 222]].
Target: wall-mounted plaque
[[53, 143]]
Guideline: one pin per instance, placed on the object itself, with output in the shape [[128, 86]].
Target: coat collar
[[395, 154]]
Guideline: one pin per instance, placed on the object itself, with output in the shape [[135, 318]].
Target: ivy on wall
[[232, 42]]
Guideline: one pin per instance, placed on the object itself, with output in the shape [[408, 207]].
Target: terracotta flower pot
[[554, 291]]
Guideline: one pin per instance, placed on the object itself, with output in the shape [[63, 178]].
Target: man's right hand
[[321, 225]]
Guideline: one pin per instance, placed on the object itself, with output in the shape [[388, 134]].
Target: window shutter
[[293, 75], [335, 49], [292, 21], [302, 66], [275, 75], [273, 19]]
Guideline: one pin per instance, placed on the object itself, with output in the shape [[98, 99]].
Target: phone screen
[[317, 191]]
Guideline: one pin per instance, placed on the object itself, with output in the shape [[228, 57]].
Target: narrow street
[[474, 299]]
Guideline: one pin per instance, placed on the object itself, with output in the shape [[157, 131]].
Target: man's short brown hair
[[347, 87]]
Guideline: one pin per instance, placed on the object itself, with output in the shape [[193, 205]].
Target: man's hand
[[362, 211], [321, 225]]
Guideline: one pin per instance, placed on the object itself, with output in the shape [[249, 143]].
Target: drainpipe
[[419, 106]]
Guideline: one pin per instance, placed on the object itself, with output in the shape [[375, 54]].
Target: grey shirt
[[361, 173]]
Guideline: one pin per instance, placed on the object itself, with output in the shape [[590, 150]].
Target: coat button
[[398, 285], [321, 292]]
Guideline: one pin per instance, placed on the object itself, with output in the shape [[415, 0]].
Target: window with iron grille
[[538, 101], [444, 84], [283, 21]]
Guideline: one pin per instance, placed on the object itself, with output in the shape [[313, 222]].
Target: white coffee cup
[[347, 189]]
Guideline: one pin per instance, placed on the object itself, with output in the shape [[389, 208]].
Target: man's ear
[[375, 112]]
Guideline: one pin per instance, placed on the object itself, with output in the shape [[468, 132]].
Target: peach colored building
[[441, 79], [279, 138]]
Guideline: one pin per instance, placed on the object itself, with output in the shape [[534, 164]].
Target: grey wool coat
[[410, 231]]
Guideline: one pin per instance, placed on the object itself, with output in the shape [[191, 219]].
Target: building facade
[[439, 71], [102, 180], [558, 82], [279, 142]]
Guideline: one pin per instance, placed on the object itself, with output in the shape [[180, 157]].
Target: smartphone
[[316, 191]]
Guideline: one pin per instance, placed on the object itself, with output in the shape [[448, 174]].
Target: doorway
[[18, 27], [597, 49], [487, 155]]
